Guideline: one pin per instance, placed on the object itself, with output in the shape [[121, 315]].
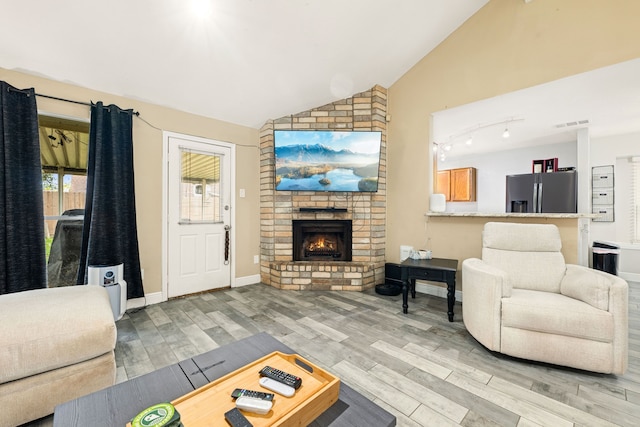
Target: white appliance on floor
[[111, 277]]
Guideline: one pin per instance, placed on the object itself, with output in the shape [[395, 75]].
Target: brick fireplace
[[365, 212]]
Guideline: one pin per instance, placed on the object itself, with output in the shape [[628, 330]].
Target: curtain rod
[[63, 99], [88, 104]]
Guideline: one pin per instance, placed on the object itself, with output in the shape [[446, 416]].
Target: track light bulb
[[505, 134], [469, 141]]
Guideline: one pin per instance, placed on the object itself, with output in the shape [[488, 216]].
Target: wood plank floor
[[420, 367]]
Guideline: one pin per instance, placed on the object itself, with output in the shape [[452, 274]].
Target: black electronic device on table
[[236, 419], [281, 376], [251, 393]]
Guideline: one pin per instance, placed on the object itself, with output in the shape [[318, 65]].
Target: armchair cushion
[[528, 253], [556, 314]]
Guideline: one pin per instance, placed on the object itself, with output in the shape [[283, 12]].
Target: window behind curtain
[[63, 154]]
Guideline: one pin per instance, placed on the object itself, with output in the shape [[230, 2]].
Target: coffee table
[[117, 405]]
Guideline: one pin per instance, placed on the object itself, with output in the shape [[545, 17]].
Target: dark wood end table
[[435, 270]]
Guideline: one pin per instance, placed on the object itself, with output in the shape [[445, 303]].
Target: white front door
[[199, 214]]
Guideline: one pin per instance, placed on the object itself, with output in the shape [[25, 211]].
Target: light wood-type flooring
[[422, 368]]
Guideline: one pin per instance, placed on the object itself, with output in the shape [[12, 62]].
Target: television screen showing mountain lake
[[335, 180]]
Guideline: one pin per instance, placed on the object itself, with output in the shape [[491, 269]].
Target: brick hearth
[[365, 111]]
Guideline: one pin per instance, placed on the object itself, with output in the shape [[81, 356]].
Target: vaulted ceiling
[[241, 61]]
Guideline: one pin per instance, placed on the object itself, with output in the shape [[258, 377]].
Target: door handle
[[539, 198], [227, 232]]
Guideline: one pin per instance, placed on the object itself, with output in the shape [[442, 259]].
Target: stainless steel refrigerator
[[554, 192]]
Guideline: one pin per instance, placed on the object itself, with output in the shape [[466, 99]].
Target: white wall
[[492, 169], [615, 150]]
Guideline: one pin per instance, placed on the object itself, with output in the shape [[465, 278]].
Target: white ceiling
[[241, 61], [609, 98]]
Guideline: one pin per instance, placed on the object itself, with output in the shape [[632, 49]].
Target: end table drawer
[[422, 274]]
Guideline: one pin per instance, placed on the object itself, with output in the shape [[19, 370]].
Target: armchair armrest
[[606, 292], [590, 286], [483, 288]]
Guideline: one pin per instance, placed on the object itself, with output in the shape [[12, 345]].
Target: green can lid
[[160, 415]]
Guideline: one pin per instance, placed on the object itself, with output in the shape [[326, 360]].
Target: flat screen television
[[319, 160]]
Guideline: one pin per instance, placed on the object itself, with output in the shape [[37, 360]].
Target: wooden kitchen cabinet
[[458, 185], [443, 184]]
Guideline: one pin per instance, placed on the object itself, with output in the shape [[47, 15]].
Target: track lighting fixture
[[468, 135]]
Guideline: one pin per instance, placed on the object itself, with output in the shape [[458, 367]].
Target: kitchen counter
[[510, 215], [458, 235]]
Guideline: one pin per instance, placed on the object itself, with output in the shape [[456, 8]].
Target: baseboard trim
[[156, 297], [247, 280], [435, 290], [422, 287], [148, 299]]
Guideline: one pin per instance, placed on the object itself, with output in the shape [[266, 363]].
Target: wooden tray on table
[[319, 390]]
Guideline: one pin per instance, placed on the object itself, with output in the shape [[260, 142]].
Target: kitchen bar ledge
[[511, 215]]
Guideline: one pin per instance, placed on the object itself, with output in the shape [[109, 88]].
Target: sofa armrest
[[483, 288], [606, 292]]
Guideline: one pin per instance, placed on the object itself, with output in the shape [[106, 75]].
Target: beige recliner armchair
[[522, 299]]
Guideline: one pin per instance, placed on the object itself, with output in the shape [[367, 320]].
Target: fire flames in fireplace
[[322, 240], [322, 245]]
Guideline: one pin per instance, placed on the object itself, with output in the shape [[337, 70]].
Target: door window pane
[[200, 198]]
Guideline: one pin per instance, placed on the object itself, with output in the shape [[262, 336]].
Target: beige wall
[[452, 235], [148, 166], [507, 45]]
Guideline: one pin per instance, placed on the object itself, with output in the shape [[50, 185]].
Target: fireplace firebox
[[326, 240]]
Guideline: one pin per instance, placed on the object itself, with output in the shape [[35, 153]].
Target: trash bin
[[392, 285], [605, 257]]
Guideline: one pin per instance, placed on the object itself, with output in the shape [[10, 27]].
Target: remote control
[[277, 386], [283, 377], [251, 393], [251, 404], [236, 419]]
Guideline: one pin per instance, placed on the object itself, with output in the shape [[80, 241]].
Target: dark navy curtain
[[22, 255], [109, 235]]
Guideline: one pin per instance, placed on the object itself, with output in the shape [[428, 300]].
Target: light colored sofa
[[56, 344], [522, 299]]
